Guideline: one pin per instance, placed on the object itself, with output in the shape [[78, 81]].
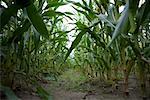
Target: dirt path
[[61, 94], [96, 92]]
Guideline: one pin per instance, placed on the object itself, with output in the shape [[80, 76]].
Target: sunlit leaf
[[84, 2], [80, 5], [83, 12], [90, 4], [80, 25]]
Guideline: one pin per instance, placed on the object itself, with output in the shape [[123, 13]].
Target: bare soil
[[95, 91]]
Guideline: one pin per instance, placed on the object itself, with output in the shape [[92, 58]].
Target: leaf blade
[[37, 20], [75, 42], [121, 25]]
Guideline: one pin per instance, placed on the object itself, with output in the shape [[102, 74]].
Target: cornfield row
[[108, 42]]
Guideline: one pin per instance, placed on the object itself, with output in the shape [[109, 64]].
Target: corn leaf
[[120, 27], [6, 15], [43, 93], [55, 4], [37, 20], [75, 42], [20, 31], [144, 13], [104, 18]]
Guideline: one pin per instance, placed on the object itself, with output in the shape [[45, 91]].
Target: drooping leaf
[[83, 12], [75, 42], [133, 8], [132, 14], [20, 31], [6, 15], [103, 18], [80, 25], [68, 13], [84, 2], [82, 6], [37, 20], [53, 13], [143, 13], [121, 26], [132, 22], [41, 3]]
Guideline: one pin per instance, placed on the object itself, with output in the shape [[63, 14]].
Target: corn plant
[[29, 31], [108, 42], [113, 37]]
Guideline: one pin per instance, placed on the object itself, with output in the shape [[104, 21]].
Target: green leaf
[[6, 15], [133, 8], [132, 22], [143, 13], [43, 93], [80, 25], [75, 42], [56, 4], [20, 30], [84, 13], [24, 27], [90, 4], [96, 38], [121, 26], [84, 2], [36, 39], [68, 13], [79, 5], [146, 51], [49, 13], [88, 42], [104, 18], [53, 13], [37, 20], [105, 63], [9, 93], [132, 13]]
